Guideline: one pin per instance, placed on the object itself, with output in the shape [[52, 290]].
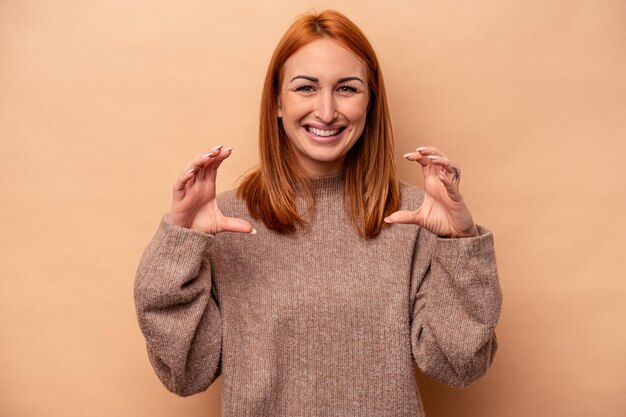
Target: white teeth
[[319, 132]]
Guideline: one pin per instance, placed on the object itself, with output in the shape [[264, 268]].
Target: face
[[323, 104]]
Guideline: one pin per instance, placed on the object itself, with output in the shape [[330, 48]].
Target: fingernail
[[421, 148], [217, 147], [406, 155], [189, 172], [434, 157], [206, 155], [386, 220], [253, 232], [229, 149]]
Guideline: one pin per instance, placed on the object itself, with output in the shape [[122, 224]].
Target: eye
[[347, 89], [304, 88]]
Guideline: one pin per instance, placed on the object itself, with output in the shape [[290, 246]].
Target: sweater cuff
[[481, 245], [181, 239]]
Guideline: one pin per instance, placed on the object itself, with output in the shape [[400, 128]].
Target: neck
[[322, 168]]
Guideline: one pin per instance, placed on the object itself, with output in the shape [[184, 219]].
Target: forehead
[[324, 59]]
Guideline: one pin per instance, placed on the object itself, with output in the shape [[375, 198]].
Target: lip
[[324, 140]]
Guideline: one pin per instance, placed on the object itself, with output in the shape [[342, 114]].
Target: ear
[[279, 106]]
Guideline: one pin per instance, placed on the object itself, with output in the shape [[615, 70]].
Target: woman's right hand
[[193, 201]]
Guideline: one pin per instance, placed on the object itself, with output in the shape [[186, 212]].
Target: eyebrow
[[316, 80]]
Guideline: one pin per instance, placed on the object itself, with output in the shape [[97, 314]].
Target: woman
[[318, 303]]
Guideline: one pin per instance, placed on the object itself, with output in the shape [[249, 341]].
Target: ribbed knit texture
[[320, 322]]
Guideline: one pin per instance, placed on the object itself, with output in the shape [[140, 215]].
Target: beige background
[[102, 103]]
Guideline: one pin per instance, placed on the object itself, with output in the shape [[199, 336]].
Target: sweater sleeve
[[456, 307], [177, 312]]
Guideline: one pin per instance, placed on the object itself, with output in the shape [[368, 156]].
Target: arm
[[177, 313], [176, 307], [457, 301], [456, 307]]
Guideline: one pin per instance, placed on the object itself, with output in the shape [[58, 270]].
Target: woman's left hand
[[443, 211]]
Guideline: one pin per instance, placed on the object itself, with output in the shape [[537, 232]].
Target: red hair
[[371, 187]]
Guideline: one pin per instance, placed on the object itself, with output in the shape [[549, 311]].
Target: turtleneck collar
[[328, 185]]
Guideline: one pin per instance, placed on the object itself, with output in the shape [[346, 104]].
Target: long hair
[[371, 188]]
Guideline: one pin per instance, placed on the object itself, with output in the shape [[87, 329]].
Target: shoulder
[[411, 196]]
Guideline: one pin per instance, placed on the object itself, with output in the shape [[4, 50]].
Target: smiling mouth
[[323, 132]]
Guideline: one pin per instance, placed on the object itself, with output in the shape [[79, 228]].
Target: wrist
[[472, 233], [175, 221]]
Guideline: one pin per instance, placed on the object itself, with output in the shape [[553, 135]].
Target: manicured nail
[[217, 147], [253, 232], [406, 155], [207, 155], [421, 148], [434, 157], [189, 172], [387, 220], [229, 149]]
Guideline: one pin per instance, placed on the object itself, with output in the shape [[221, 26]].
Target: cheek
[[295, 109], [357, 111]]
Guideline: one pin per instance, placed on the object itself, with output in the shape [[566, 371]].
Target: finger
[[446, 165], [403, 217], [221, 154], [456, 173], [182, 181], [451, 185], [232, 224], [439, 159], [429, 150], [441, 162], [200, 174], [210, 172], [418, 157], [438, 163], [206, 157], [203, 158]]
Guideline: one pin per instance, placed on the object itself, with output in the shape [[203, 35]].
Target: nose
[[326, 107]]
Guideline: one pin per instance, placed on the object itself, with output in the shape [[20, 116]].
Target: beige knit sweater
[[320, 322]]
